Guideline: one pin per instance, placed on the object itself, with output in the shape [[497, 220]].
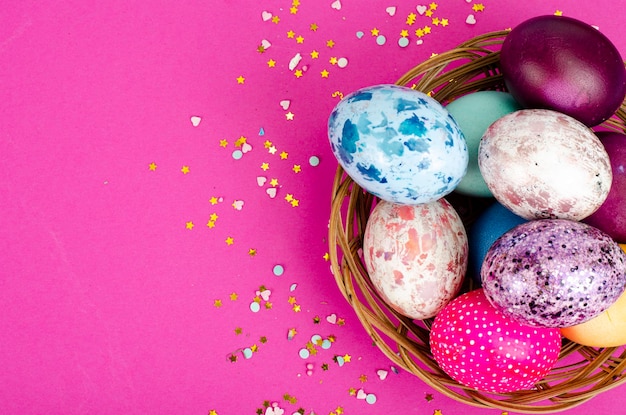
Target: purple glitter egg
[[554, 273]]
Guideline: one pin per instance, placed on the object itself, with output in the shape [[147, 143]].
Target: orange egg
[[606, 330]]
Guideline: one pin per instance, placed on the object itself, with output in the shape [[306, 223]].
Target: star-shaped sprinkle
[[230, 240], [238, 331], [241, 79], [330, 43], [326, 256], [291, 34], [313, 27], [211, 224], [265, 166], [558, 12], [213, 217], [275, 19], [315, 54], [317, 320], [296, 168], [213, 200], [189, 225], [296, 308], [152, 166], [374, 32], [363, 378], [444, 22], [260, 49], [241, 141], [298, 73], [347, 358], [433, 6], [217, 303], [185, 169], [352, 391], [289, 197], [300, 39], [324, 73], [295, 203], [404, 33], [213, 412], [478, 7], [410, 19], [284, 155], [271, 63], [293, 10], [429, 397], [274, 182], [233, 296], [333, 60], [252, 252], [223, 143], [289, 116]]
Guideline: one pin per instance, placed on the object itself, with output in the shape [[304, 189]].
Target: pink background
[[109, 302]]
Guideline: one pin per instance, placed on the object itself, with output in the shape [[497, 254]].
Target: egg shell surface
[[416, 255], [611, 215], [544, 164], [398, 144], [479, 347], [474, 113], [492, 223], [554, 273], [564, 64]]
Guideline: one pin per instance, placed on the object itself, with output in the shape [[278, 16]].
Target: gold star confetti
[[558, 12], [260, 49], [241, 141], [444, 22], [374, 32], [265, 166], [284, 155], [217, 303], [363, 378], [326, 256], [213, 217], [268, 305], [330, 43], [300, 39], [339, 410], [404, 33], [428, 13], [293, 10], [313, 27], [427, 30], [185, 169], [315, 54], [213, 200], [352, 391], [429, 397], [437, 412], [436, 21], [341, 321], [296, 168], [274, 182], [419, 32], [230, 241], [238, 331], [333, 60], [291, 300], [271, 63], [267, 144], [289, 197], [152, 166], [275, 19], [241, 79], [292, 333], [252, 252], [410, 19], [298, 73], [211, 224], [189, 225], [347, 358], [478, 7], [213, 412], [433, 6], [289, 115], [233, 296], [295, 203], [324, 73], [296, 308], [223, 143]]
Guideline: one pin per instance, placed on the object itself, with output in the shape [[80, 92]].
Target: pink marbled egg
[[543, 164], [416, 255], [479, 347]]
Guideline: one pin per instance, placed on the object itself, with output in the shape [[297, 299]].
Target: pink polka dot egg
[[481, 348]]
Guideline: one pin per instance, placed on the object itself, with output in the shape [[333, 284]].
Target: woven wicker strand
[[581, 372]]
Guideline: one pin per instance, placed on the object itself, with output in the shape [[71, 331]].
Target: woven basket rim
[[581, 373]]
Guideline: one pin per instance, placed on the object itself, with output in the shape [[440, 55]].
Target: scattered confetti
[[241, 79], [278, 270], [382, 374], [189, 225], [152, 166], [471, 19], [332, 319], [195, 120], [391, 10], [238, 204], [342, 62], [255, 307], [266, 16], [336, 5], [185, 169], [359, 34], [403, 42], [271, 192], [237, 154], [285, 103], [261, 180], [381, 40], [314, 161]]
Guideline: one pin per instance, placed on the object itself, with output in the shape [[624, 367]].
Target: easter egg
[[416, 255], [481, 348], [544, 164], [398, 144], [554, 273], [492, 223], [474, 113], [611, 215], [560, 63]]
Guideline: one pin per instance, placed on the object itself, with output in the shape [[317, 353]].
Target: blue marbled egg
[[398, 144]]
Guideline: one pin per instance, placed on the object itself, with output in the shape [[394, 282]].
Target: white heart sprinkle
[[336, 5], [271, 192], [471, 19], [285, 104], [295, 61], [245, 147], [382, 374], [391, 10], [332, 319], [195, 120], [266, 44], [361, 394], [261, 180], [238, 204], [266, 16], [265, 295], [421, 9]]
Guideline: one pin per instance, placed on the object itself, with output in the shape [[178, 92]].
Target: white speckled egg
[[416, 255], [543, 164]]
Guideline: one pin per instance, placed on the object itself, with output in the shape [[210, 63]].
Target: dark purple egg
[[611, 215], [563, 64], [554, 273]]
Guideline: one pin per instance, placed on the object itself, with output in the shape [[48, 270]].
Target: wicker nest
[[581, 372]]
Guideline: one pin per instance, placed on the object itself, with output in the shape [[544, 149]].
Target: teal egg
[[474, 113]]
